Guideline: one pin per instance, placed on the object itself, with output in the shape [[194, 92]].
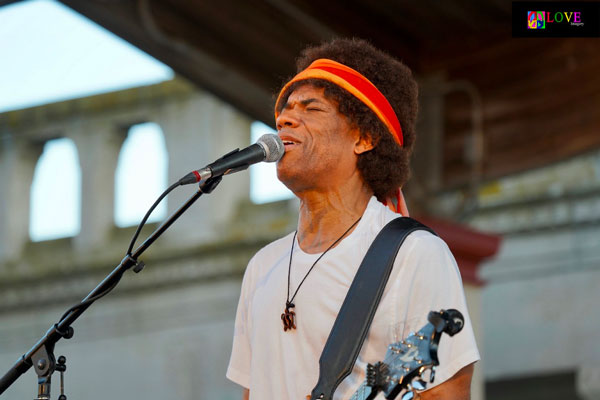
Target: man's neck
[[325, 216]]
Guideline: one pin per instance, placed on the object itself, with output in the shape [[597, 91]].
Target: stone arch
[[141, 174], [55, 203], [264, 185]]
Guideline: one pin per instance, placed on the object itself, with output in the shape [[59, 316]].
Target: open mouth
[[289, 143]]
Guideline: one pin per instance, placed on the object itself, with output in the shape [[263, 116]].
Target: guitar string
[[363, 387]]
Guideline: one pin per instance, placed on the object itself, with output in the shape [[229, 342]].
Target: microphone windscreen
[[273, 147]]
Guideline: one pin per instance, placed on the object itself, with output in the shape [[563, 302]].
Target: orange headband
[[355, 83]]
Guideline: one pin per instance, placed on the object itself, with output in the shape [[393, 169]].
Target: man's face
[[320, 144]]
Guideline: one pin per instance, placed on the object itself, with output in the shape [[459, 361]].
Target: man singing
[[347, 120]]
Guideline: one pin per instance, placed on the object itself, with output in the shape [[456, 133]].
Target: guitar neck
[[364, 392]]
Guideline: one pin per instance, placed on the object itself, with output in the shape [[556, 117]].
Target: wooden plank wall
[[541, 103]]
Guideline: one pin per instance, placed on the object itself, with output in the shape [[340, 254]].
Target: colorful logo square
[[535, 20]]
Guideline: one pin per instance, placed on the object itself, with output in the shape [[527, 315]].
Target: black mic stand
[[41, 355]]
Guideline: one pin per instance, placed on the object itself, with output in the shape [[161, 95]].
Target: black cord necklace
[[289, 317]]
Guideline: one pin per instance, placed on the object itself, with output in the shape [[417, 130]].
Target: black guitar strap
[[352, 323]]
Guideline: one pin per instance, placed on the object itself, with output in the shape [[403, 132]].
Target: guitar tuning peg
[[432, 375], [419, 384], [411, 392], [371, 375]]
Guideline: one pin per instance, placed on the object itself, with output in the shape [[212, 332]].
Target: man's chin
[[289, 175], [286, 177]]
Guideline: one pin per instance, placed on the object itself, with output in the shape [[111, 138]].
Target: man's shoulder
[[423, 239], [427, 254], [423, 243], [419, 240]]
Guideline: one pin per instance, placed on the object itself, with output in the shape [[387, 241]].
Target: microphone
[[267, 148]]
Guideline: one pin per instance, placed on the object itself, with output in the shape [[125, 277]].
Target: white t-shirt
[[275, 364]]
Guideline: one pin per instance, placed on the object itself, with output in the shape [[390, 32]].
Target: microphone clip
[[210, 184]]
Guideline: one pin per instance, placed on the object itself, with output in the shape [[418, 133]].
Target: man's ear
[[364, 143]]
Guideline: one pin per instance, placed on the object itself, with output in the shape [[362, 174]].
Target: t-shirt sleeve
[[431, 282], [238, 370]]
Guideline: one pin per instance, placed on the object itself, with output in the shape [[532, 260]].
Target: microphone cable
[[87, 302]]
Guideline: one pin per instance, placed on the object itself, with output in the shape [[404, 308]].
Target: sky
[[146, 175], [264, 185], [55, 203], [50, 53]]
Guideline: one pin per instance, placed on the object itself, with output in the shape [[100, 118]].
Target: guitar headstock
[[407, 361]]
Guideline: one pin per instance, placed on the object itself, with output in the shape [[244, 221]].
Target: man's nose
[[287, 119]]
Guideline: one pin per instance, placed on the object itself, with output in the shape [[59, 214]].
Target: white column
[[18, 158], [198, 130], [98, 145]]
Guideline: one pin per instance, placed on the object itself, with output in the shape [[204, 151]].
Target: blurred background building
[[507, 169]]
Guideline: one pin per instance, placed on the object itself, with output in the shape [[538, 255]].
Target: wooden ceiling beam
[[356, 19], [206, 71]]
